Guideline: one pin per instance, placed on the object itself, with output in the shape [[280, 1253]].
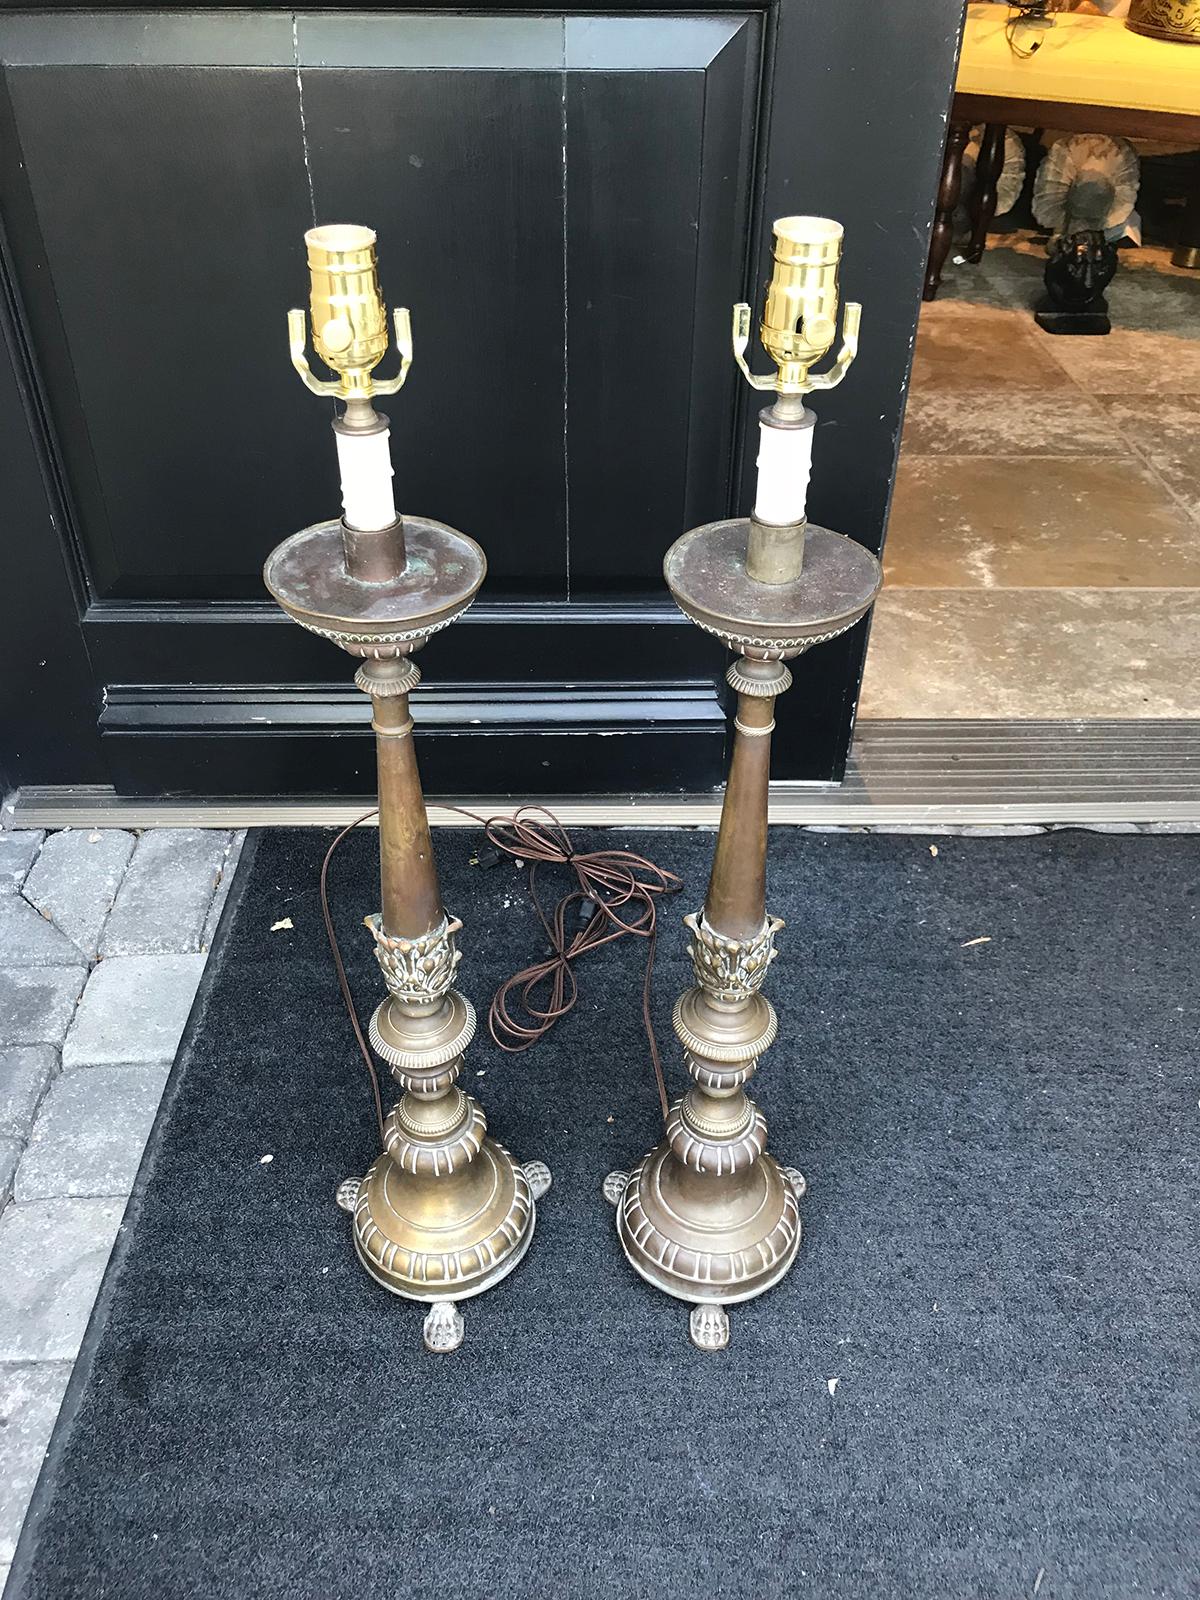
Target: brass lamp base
[[444, 1213], [709, 1216], [442, 1239], [712, 1242]]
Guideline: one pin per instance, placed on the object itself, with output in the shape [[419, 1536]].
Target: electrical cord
[[340, 966], [616, 894], [1026, 11]]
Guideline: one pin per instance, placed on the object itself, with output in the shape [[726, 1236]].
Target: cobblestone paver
[[161, 905], [38, 1003], [10, 1158], [133, 1010], [27, 939], [30, 1396], [25, 1074], [90, 1133], [218, 900], [54, 1253], [17, 851], [103, 940], [75, 880]]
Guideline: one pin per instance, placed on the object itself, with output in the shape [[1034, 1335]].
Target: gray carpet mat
[[979, 1380]]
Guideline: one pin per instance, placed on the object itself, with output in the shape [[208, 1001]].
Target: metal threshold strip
[[901, 774]]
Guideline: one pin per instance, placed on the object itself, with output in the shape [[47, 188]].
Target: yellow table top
[[1083, 60]]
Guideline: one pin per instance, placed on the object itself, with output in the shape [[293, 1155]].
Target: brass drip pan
[[307, 575], [706, 573]]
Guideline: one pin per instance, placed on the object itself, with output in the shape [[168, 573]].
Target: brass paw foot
[[539, 1177], [797, 1180], [709, 1326], [614, 1187], [443, 1327], [347, 1193]]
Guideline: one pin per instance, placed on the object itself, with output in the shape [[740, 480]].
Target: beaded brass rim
[[699, 1044], [419, 1063]]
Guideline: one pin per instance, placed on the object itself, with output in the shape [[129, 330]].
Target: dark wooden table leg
[[987, 177], [947, 199], [1187, 251]]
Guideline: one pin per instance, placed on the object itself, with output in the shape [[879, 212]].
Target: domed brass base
[[450, 1236], [705, 1238]]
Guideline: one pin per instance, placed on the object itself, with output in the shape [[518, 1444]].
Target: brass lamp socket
[[349, 322], [799, 320]]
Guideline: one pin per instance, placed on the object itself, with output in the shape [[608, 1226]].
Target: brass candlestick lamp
[[445, 1212], [709, 1216]]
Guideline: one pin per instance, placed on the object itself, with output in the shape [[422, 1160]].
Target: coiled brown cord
[[620, 885]]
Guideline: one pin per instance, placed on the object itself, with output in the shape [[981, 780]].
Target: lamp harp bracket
[[353, 383]]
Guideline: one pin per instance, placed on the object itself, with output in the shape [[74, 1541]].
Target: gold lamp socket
[[799, 320], [349, 323], [349, 320]]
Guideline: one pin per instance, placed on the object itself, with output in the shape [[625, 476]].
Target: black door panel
[[569, 204]]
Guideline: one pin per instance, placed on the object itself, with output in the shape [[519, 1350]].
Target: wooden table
[[1091, 75]]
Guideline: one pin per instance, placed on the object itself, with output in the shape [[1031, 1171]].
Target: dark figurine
[[1079, 269]]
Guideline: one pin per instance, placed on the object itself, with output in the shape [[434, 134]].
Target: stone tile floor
[[1043, 555], [104, 934]]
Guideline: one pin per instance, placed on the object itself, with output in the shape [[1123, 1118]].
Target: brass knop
[[799, 321], [349, 319]]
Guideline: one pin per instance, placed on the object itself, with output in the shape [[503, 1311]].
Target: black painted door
[[569, 203]]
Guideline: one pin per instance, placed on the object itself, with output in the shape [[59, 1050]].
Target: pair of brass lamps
[[445, 1212]]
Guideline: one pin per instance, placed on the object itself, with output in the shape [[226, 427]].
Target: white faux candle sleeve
[[784, 463], [365, 461]]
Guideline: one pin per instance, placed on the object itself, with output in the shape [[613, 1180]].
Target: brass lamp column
[[445, 1212], [709, 1216]]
